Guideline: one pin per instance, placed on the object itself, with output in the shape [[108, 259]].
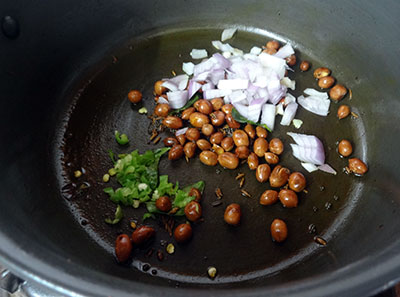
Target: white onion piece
[[309, 167], [162, 100], [254, 110], [188, 68], [285, 51], [255, 50], [198, 53], [211, 94], [221, 60], [177, 99], [237, 52], [204, 66], [291, 84], [179, 78], [315, 104], [224, 47], [237, 96], [289, 99], [268, 115], [208, 86], [261, 81], [183, 83], [308, 148], [216, 76], [181, 131], [227, 55], [170, 85], [228, 33], [202, 76], [297, 123], [274, 63], [263, 93], [327, 168], [242, 109], [289, 114], [313, 92], [250, 57], [193, 87], [233, 84]]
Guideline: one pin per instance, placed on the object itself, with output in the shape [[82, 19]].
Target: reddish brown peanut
[[158, 88], [291, 60], [195, 193], [216, 137], [279, 176], [250, 131], [198, 119], [326, 82], [176, 152], [233, 214], [271, 158], [337, 92], [217, 103], [231, 122], [252, 161], [263, 172], [261, 132], [207, 129], [208, 158], [142, 234], [192, 134], [163, 204], [203, 144], [181, 139], [274, 44], [162, 110], [190, 149], [187, 112], [357, 166], [183, 233], [170, 141], [276, 146], [123, 248], [227, 143], [240, 138], [228, 160], [297, 182], [217, 118], [135, 96], [242, 152], [193, 211], [321, 72], [227, 108], [288, 198], [279, 231], [203, 106], [260, 146], [345, 148], [173, 122], [269, 197], [343, 111], [304, 66]]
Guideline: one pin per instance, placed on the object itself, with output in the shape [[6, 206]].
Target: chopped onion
[[181, 131], [233, 84], [274, 63], [309, 167], [254, 110], [237, 96], [327, 168], [268, 115], [308, 148], [222, 61], [315, 104], [188, 68], [289, 99], [263, 93], [193, 87], [291, 84], [279, 109], [242, 109], [313, 92], [162, 100], [228, 33], [289, 114], [198, 53], [285, 51], [204, 66], [202, 76], [211, 94], [208, 86], [297, 123], [224, 47], [255, 50], [170, 85], [227, 55], [216, 76], [180, 81], [177, 99]]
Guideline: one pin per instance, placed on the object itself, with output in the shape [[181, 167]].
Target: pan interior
[[99, 106]]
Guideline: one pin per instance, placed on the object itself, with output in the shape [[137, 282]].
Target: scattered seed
[[173, 211], [143, 110], [173, 72], [163, 242], [315, 209], [187, 159], [106, 178], [354, 114], [347, 170], [239, 176], [160, 255], [350, 94], [217, 171], [305, 191], [245, 193], [320, 240], [336, 197], [218, 192], [154, 133], [216, 203], [241, 183], [312, 229], [212, 272], [170, 248], [321, 188], [157, 140], [149, 252], [328, 205], [244, 161], [133, 225], [77, 173]]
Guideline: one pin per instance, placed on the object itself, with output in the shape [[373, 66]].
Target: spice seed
[[218, 192], [354, 114], [160, 255], [216, 203], [157, 140], [350, 94], [241, 183], [245, 193], [133, 225], [239, 176], [320, 240]]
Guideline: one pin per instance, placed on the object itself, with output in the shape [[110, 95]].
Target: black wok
[[64, 78]]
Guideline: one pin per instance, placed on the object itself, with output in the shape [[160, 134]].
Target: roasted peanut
[[242, 152], [163, 204], [181, 139], [343, 111], [209, 158], [173, 122], [288, 198], [123, 248], [217, 118], [345, 148], [321, 72], [279, 231], [194, 192], [162, 110], [337, 92], [216, 137], [192, 134], [233, 214], [193, 211], [261, 132], [207, 129], [279, 176], [231, 122], [176, 152], [217, 103], [183, 233], [240, 138], [263, 172], [273, 44], [187, 112], [260, 146], [170, 141], [271, 158], [190, 149], [135, 96], [227, 108], [158, 88], [227, 143], [204, 106], [276, 146], [357, 166], [198, 119], [203, 144], [142, 234], [250, 131], [297, 182], [269, 197], [326, 82], [252, 161], [228, 160], [304, 66], [291, 60]]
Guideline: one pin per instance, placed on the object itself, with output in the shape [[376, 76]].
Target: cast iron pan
[[239, 253]]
